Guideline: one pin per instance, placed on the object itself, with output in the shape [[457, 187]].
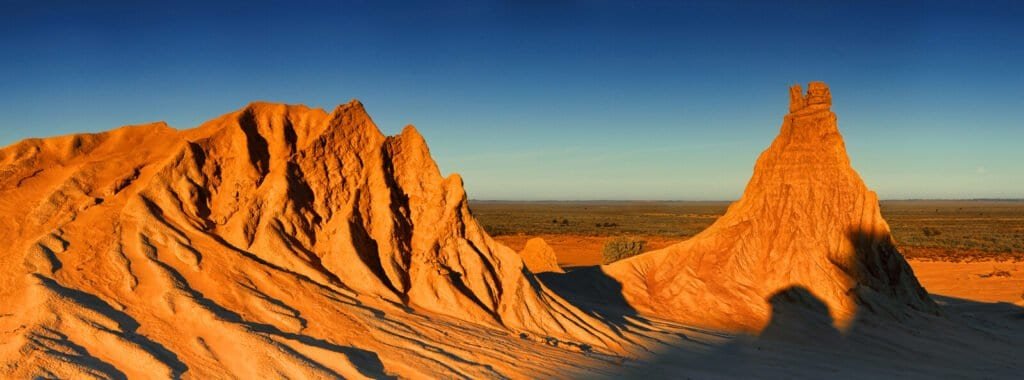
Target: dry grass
[[996, 272], [673, 219], [620, 248], [944, 230], [990, 229]]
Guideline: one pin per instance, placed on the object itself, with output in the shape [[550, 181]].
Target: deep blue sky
[[567, 100]]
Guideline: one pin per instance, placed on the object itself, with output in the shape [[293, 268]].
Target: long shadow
[[997, 316], [591, 290], [797, 314], [970, 340], [127, 324], [370, 363], [75, 353], [798, 318], [897, 330]]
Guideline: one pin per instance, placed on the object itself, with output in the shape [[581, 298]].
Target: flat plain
[[965, 249], [941, 230]]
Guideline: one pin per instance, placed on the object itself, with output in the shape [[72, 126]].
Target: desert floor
[[980, 300], [982, 280], [941, 230]]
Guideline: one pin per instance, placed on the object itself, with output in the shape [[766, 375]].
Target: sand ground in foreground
[[984, 281]]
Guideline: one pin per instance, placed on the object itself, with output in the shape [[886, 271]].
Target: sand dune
[[287, 242]]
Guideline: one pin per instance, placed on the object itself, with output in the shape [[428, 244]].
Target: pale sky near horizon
[[559, 100]]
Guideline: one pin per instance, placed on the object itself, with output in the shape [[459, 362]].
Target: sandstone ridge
[[296, 236]]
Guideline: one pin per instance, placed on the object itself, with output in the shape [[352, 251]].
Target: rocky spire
[[805, 220], [817, 95]]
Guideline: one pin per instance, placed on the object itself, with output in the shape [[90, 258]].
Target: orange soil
[[978, 281], [967, 280], [579, 250]]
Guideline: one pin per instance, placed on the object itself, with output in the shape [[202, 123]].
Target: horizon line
[[734, 200]]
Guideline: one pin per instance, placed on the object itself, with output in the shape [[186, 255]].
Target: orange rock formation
[[290, 242], [151, 252], [539, 257], [805, 220]]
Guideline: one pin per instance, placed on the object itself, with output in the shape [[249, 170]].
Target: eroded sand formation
[[282, 241], [247, 246], [806, 220], [539, 257]]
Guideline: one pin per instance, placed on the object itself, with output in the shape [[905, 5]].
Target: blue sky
[[560, 99]]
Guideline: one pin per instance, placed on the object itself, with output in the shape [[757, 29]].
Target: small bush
[[996, 272], [622, 247], [928, 231]]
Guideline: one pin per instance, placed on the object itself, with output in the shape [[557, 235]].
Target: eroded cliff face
[[268, 231], [806, 220]]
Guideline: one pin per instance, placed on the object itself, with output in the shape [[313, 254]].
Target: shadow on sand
[[129, 331], [580, 285], [904, 333], [971, 340], [366, 362]]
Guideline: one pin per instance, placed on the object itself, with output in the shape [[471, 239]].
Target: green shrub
[[622, 247]]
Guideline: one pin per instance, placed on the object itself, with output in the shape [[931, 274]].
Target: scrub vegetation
[[946, 230]]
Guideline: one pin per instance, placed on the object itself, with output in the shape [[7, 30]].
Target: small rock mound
[[539, 257]]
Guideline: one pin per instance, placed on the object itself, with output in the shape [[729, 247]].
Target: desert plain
[[977, 252]]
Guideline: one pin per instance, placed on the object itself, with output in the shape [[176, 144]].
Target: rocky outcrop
[[539, 257], [806, 220], [271, 230]]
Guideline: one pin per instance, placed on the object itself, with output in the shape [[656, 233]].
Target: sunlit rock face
[[272, 240], [806, 220], [539, 257]]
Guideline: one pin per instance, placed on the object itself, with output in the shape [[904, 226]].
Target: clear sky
[[555, 99]]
